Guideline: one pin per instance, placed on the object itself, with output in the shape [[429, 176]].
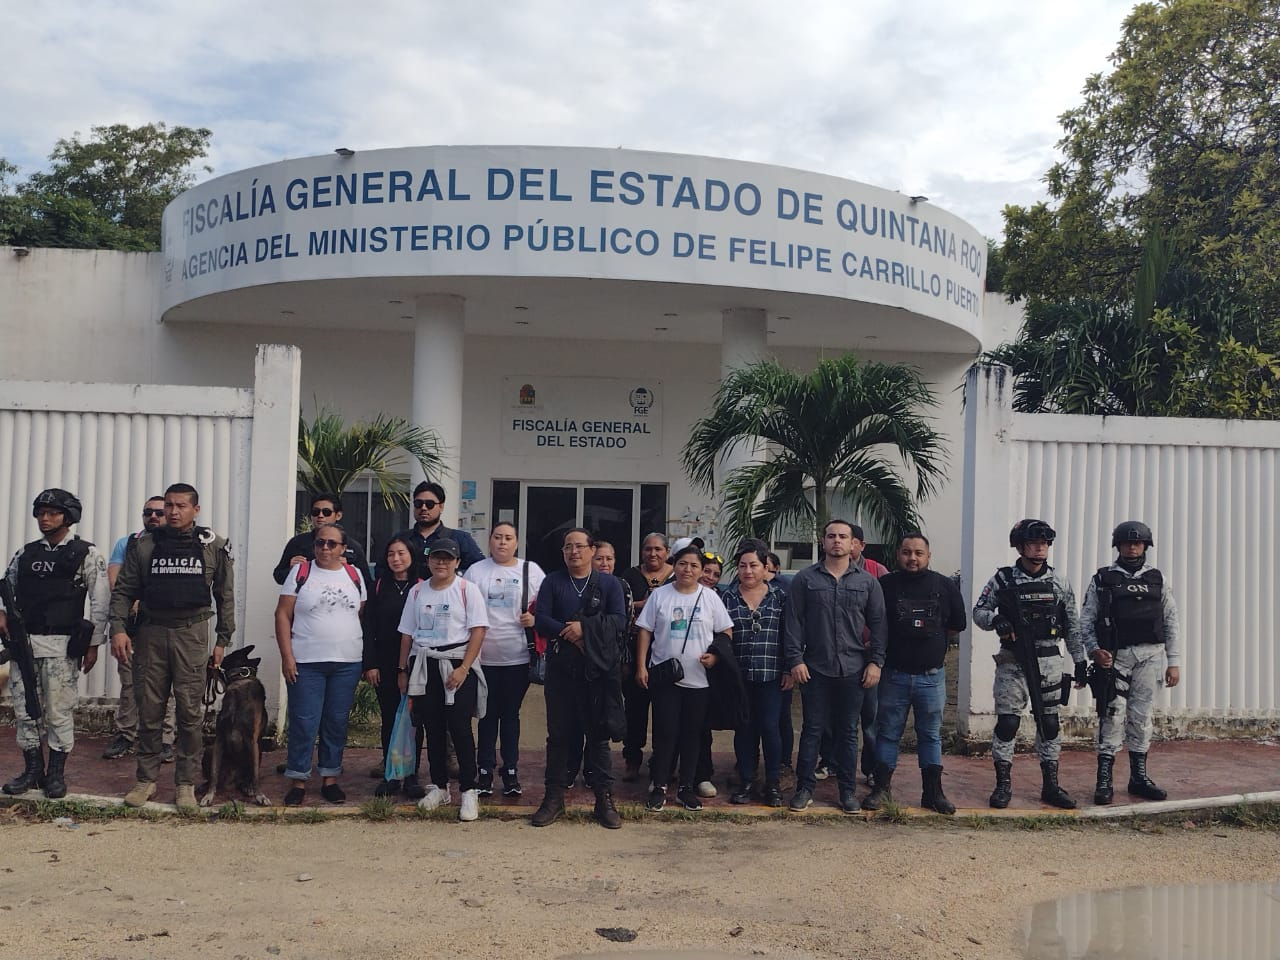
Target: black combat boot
[[552, 808], [32, 774], [1003, 792], [55, 784], [932, 797], [605, 812], [1105, 789], [882, 793], [1140, 785], [1050, 792]]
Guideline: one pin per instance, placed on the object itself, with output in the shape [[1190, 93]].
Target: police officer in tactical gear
[[1130, 625], [52, 577], [182, 574], [1030, 603]]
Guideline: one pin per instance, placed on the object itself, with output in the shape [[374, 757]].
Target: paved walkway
[[1190, 770]]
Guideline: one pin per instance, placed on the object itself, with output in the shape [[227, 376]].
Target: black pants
[[786, 727], [636, 699], [568, 715], [679, 719], [388, 689], [442, 722]]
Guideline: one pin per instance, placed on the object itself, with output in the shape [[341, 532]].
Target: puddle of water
[[1236, 920]]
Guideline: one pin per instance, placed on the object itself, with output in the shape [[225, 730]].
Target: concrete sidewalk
[[1190, 770]]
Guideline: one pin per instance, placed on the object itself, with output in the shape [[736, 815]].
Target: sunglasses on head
[[152, 512], [322, 511], [329, 544], [709, 557], [425, 504]]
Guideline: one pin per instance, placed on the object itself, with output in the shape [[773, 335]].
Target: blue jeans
[[507, 687], [834, 701], [764, 704], [926, 695], [320, 702]]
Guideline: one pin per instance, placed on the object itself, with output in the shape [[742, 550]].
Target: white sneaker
[[470, 808], [436, 796], [706, 789]]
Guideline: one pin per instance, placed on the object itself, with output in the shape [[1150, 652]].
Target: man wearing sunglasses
[[326, 508], [124, 743], [428, 505]]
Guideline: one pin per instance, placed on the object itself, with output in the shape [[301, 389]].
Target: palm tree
[[332, 455], [833, 430]]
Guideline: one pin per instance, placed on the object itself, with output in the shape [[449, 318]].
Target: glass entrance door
[[548, 512], [611, 512]]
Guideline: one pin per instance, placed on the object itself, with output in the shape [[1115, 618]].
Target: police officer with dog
[[1130, 631], [1032, 608], [182, 574], [51, 578]]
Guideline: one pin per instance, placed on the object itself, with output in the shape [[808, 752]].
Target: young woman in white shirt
[[679, 621], [509, 585], [441, 631]]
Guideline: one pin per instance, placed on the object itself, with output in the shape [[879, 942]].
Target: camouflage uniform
[[1010, 688]]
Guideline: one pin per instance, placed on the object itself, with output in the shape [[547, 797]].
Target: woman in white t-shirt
[[509, 586], [441, 631], [321, 645], [679, 621]]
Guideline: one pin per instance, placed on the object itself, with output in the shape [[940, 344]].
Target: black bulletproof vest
[[176, 578], [918, 618], [50, 591], [1135, 606], [1031, 605]]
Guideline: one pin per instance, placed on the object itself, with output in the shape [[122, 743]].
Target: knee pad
[[1050, 726], [1007, 726]]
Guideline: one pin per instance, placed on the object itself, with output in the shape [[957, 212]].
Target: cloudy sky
[[952, 99]]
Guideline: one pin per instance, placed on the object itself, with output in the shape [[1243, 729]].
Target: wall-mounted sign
[[589, 417]]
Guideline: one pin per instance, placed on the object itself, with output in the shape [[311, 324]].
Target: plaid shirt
[[757, 634]]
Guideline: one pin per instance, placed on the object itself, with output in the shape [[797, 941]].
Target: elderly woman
[[757, 609], [400, 562], [441, 631], [321, 645], [678, 623]]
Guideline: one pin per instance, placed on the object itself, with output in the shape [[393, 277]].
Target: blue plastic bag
[[403, 749]]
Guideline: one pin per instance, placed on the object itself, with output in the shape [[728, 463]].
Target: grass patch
[[892, 812], [378, 809], [231, 811]]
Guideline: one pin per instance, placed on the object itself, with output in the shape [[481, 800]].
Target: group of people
[[664, 646]]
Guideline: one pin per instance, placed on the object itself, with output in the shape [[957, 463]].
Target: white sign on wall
[[593, 417]]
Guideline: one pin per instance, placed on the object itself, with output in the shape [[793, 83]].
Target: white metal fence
[[1208, 490]]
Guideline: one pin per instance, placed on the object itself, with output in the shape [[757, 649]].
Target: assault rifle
[[1026, 637], [18, 645], [1103, 681]]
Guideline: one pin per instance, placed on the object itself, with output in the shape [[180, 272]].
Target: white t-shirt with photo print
[[671, 616], [505, 644], [442, 618]]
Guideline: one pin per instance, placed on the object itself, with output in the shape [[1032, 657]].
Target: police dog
[[242, 721]]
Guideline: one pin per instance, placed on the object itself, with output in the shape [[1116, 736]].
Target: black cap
[[444, 545]]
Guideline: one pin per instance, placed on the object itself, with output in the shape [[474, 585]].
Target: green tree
[[1185, 132], [833, 430], [107, 192], [332, 455]]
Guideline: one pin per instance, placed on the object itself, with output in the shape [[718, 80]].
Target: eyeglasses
[[575, 547], [152, 512], [329, 544], [322, 511], [425, 504]]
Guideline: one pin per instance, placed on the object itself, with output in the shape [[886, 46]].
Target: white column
[[437, 386], [987, 504], [743, 341], [273, 472]]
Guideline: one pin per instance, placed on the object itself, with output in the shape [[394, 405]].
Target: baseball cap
[[447, 546], [686, 542]]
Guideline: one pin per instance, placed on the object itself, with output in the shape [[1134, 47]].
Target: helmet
[[1132, 531], [1029, 529], [58, 499]]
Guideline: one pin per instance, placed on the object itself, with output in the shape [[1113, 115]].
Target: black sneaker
[[119, 747], [510, 784], [413, 789], [822, 771], [166, 753], [484, 783], [689, 799], [657, 799], [802, 799], [741, 795]]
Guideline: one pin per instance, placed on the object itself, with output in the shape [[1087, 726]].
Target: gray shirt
[[825, 621]]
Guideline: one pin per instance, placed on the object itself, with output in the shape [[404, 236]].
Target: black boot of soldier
[[1050, 792], [1105, 789], [32, 774], [551, 810], [882, 793], [1140, 785], [55, 783], [932, 797], [1003, 792]]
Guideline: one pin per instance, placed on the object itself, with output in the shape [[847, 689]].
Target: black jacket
[[602, 638], [728, 707]]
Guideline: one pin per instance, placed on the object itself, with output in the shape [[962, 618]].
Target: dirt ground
[[409, 887]]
